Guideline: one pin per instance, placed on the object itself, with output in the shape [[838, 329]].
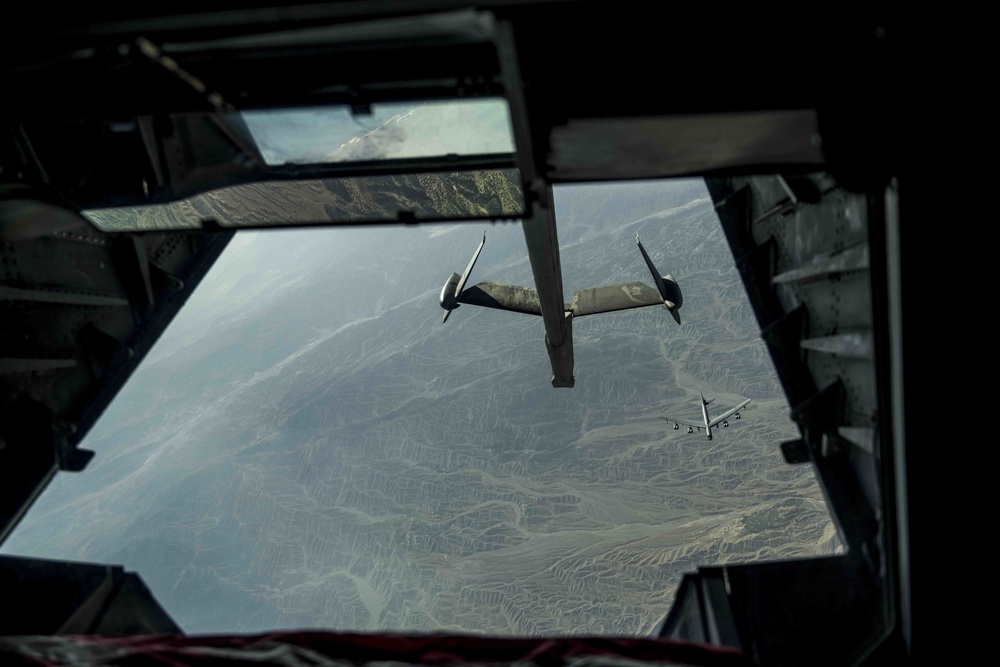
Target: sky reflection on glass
[[334, 134]]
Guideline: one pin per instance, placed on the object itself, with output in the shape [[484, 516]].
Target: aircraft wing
[[728, 413], [614, 297], [502, 297], [697, 425]]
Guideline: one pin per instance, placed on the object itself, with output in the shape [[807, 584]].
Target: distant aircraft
[[585, 302], [708, 422]]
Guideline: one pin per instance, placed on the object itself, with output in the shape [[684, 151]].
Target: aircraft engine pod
[[725, 424], [690, 430], [676, 426]]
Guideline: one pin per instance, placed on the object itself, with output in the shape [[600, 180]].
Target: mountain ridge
[[407, 475]]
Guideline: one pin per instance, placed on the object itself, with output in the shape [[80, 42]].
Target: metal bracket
[[820, 413], [785, 332], [103, 350], [132, 263]]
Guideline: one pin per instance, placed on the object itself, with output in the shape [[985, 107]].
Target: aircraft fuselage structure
[[558, 318], [708, 422], [704, 414]]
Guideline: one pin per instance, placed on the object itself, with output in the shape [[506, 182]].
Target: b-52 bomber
[[708, 421], [585, 302]]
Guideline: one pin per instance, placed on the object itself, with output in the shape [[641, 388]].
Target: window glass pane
[[397, 130], [308, 446], [407, 197]]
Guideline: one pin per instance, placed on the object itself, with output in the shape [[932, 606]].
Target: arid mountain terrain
[[309, 447]]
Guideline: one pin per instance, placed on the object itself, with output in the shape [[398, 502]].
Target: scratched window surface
[[491, 193], [286, 138], [389, 131], [308, 446]]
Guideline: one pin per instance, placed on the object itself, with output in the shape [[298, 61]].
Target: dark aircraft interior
[[796, 125]]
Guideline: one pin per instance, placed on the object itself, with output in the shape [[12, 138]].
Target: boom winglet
[[453, 287], [670, 291], [468, 269]]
